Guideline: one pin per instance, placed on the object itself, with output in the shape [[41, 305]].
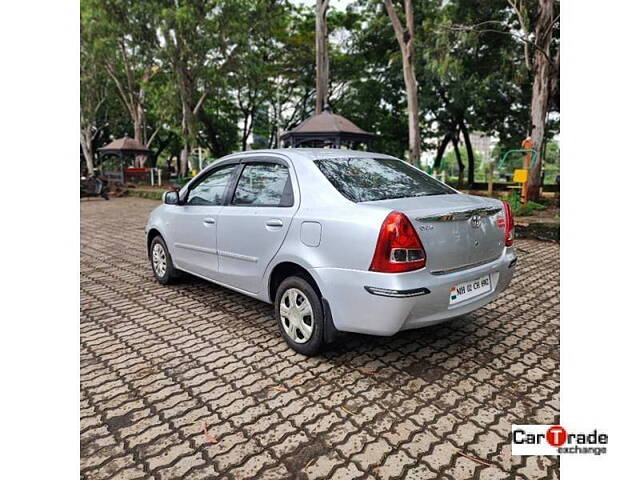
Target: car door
[[194, 223], [252, 227]]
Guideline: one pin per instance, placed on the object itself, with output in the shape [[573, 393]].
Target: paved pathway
[[193, 381]]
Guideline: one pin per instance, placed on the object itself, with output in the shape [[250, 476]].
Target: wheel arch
[[287, 269], [151, 234]]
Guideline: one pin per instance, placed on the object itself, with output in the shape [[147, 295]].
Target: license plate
[[469, 289]]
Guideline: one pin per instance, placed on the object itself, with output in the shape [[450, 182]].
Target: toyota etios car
[[337, 240]]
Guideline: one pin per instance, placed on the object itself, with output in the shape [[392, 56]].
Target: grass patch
[[526, 209]]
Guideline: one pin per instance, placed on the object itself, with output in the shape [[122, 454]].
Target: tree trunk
[[414, 116], [178, 165], [441, 148], [87, 148], [405, 38], [247, 127], [184, 160], [460, 164], [188, 117], [322, 56], [138, 123], [245, 130], [470, 158], [554, 94], [540, 94]]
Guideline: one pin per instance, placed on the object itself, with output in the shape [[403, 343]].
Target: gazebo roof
[[329, 123], [125, 145]]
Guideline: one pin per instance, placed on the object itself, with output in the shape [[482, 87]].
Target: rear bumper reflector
[[385, 292]]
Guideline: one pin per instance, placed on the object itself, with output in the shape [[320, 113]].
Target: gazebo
[[121, 148], [326, 129]]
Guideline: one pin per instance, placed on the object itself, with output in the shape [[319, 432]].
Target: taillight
[[399, 248], [507, 223]]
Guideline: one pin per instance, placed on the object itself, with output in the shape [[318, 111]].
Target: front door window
[[210, 191]]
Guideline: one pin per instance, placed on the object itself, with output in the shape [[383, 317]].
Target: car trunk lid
[[458, 231]]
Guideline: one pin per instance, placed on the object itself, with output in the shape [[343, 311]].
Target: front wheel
[[298, 311], [161, 262]]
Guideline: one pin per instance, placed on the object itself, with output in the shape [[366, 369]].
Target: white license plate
[[469, 289]]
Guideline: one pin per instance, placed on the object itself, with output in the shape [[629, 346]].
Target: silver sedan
[[337, 240]]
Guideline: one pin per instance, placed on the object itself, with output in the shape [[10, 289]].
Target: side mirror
[[171, 198]]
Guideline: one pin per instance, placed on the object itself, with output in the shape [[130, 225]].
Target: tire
[[167, 274], [302, 327]]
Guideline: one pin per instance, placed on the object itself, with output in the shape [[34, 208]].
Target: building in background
[[483, 145]]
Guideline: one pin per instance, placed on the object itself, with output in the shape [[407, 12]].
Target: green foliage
[[252, 63], [520, 209], [529, 208]]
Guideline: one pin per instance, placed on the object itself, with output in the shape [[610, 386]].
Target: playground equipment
[[521, 175]]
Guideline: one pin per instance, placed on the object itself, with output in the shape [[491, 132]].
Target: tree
[[544, 72], [322, 56], [93, 94], [184, 43], [546, 76], [473, 75], [215, 73], [257, 80], [405, 35], [281, 65], [122, 35]]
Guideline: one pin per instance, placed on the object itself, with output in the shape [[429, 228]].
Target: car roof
[[314, 153], [306, 171]]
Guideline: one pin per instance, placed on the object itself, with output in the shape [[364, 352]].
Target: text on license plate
[[469, 289]]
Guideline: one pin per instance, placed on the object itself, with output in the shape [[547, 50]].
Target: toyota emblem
[[475, 221]]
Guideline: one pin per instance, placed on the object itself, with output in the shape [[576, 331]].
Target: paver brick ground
[[177, 381]]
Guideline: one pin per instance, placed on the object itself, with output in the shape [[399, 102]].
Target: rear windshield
[[370, 179]]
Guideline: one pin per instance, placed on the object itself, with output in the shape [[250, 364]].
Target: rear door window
[[264, 185], [371, 179]]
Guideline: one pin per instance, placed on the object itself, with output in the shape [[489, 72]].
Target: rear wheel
[[298, 311], [161, 262]]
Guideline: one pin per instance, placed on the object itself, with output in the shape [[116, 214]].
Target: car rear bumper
[[383, 304]]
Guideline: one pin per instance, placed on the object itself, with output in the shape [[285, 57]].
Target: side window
[[210, 191], [264, 185]]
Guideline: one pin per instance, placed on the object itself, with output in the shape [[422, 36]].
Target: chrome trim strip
[[464, 267], [385, 292], [461, 214], [186, 246], [238, 256]]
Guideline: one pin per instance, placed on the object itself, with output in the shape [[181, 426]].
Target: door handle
[[209, 220], [274, 222]]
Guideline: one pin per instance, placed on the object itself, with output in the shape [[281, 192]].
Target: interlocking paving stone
[[159, 364]]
